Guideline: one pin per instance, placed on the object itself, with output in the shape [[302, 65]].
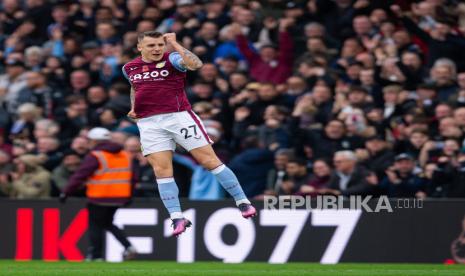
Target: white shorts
[[162, 132]]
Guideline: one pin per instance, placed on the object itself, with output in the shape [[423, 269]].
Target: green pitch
[[148, 268]]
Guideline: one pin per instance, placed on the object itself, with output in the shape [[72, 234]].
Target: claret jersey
[[159, 86]]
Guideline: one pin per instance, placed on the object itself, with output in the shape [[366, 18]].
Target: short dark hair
[[73, 99], [419, 130], [358, 88], [427, 86], [299, 161], [153, 34]]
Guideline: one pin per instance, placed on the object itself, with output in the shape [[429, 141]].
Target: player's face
[[152, 48]]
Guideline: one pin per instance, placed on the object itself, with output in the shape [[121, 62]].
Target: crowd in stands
[[339, 97]]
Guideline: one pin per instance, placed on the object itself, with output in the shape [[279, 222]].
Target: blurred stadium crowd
[[306, 97]]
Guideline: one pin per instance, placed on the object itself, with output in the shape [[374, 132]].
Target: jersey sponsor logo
[[160, 65], [149, 75]]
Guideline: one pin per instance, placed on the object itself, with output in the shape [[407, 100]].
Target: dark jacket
[[357, 184], [251, 168], [451, 47], [408, 187], [324, 146], [448, 181], [87, 168], [379, 162]]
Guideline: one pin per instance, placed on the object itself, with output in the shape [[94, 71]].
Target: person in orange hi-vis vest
[[107, 173]]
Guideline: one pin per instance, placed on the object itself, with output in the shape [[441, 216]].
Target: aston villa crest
[[160, 65]]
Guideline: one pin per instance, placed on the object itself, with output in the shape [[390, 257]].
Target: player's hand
[[132, 114], [170, 38]]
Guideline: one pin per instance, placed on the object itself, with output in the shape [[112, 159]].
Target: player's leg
[[158, 146], [162, 164], [191, 135], [206, 156]]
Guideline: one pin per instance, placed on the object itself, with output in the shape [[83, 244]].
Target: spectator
[[348, 178], [432, 151], [33, 57], [319, 181], [440, 41], [142, 169], [45, 128], [29, 179], [97, 97], [205, 44], [296, 176], [11, 83], [269, 65], [414, 144], [267, 95], [62, 173], [49, 153], [459, 117], [80, 145], [332, 139], [106, 33], [401, 180], [41, 94], [135, 10], [80, 82], [271, 133], [449, 177], [6, 167], [276, 175], [444, 74], [73, 117], [251, 167], [377, 157], [23, 127]]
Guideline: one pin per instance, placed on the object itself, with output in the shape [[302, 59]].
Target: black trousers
[[101, 219]]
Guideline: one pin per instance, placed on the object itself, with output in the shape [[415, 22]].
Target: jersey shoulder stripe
[[175, 59]]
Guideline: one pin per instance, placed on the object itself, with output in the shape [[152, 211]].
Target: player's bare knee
[[162, 171], [210, 163]]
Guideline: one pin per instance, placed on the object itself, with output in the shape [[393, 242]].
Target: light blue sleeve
[[58, 49], [175, 59]]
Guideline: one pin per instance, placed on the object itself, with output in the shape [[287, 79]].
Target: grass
[[8, 267]]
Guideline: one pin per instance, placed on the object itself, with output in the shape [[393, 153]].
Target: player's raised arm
[[189, 59]]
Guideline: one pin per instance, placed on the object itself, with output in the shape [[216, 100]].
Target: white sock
[[176, 215], [245, 200]]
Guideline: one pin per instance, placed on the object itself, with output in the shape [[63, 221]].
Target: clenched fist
[[170, 38]]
